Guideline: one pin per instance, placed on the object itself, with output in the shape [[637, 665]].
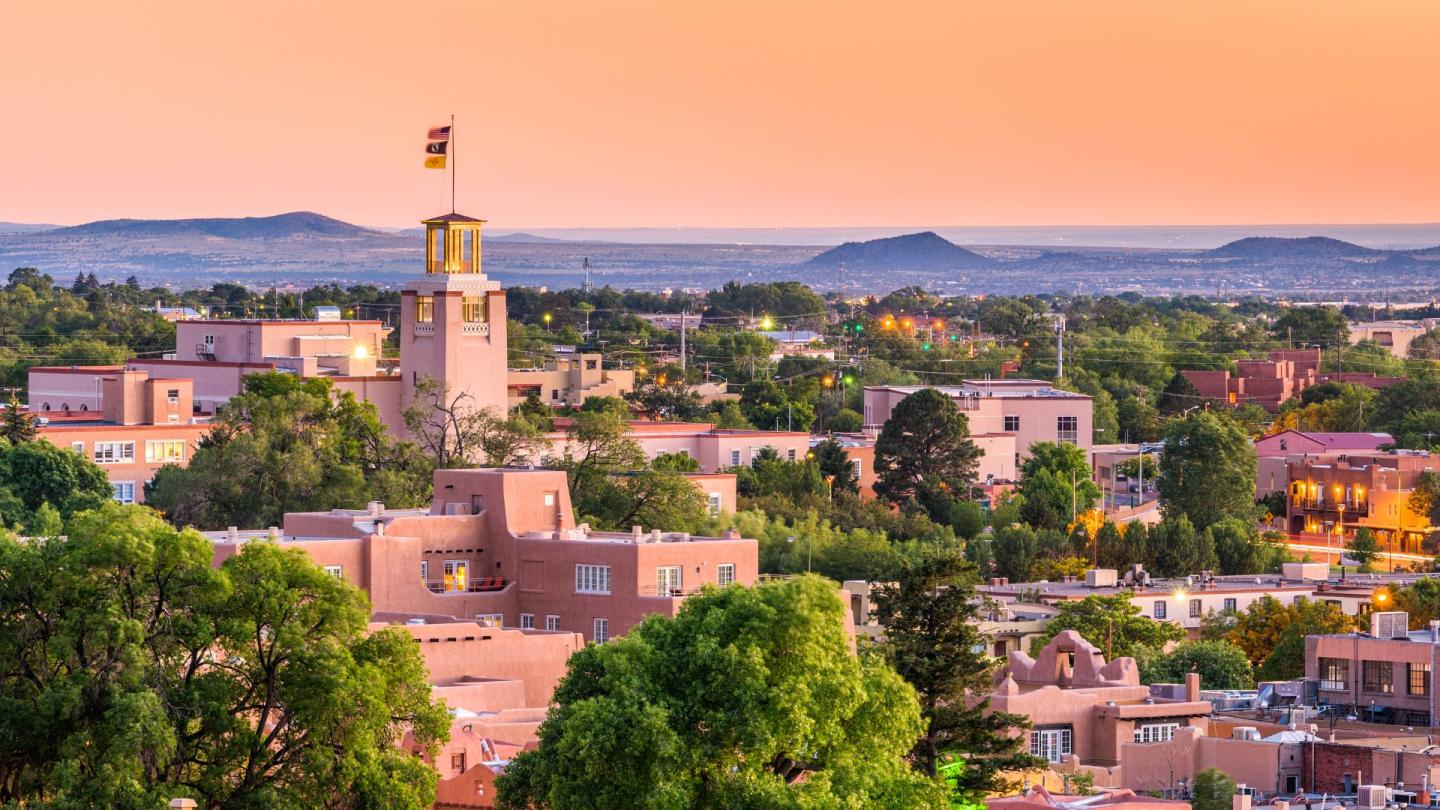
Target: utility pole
[[683, 313], [1059, 347]]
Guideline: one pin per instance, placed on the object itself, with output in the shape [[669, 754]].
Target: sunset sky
[[610, 114]]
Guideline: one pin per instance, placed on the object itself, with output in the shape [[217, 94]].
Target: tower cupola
[[452, 245]]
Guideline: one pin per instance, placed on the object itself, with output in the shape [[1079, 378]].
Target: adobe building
[[1266, 383], [569, 381], [501, 546], [1005, 418], [1336, 494], [714, 449]]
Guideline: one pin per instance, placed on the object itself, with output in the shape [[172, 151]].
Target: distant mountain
[[521, 236], [280, 226], [25, 227], [1309, 247], [926, 251]]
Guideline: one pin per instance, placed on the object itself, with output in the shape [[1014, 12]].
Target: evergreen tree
[[925, 441], [17, 426], [1179, 396], [836, 466], [930, 616]]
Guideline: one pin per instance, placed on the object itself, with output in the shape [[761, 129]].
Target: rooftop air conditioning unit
[[1392, 624]]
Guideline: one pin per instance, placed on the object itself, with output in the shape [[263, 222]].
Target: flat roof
[[998, 389]]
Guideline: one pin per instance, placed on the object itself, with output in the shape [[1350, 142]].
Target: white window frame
[[1052, 744], [527, 621], [734, 458], [1156, 732], [790, 454], [724, 574], [859, 465], [425, 572], [600, 630], [1069, 436], [552, 622], [592, 579], [456, 573], [716, 502], [490, 619], [165, 451], [114, 452], [669, 580], [119, 488], [1007, 420], [337, 571], [78, 447]]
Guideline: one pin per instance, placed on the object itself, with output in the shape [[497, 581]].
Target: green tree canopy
[[925, 441], [930, 615], [728, 704], [1055, 481], [34, 474], [1112, 623], [1221, 665], [1207, 470], [136, 672], [1306, 326], [835, 465], [1213, 790]]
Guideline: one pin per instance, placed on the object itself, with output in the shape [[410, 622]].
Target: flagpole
[[452, 164]]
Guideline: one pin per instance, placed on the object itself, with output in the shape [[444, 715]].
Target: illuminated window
[[165, 451], [1417, 677], [424, 309], [1334, 674], [472, 309]]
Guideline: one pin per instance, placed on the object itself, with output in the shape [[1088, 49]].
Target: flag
[[439, 133], [436, 148], [435, 162]]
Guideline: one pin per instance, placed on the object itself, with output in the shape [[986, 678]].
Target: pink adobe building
[[1006, 417], [1266, 383], [142, 425], [501, 546], [715, 449]]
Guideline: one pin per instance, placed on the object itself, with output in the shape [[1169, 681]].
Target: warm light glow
[[547, 316], [767, 323], [1382, 597], [360, 352], [1180, 595], [828, 381]]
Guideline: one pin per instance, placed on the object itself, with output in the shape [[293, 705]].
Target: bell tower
[[452, 318]]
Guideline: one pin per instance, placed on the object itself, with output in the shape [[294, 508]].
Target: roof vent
[[1390, 624]]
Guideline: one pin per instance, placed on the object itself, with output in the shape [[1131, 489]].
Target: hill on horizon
[[279, 226], [923, 251], [521, 236], [1305, 247]]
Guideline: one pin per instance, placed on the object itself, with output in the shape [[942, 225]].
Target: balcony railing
[[424, 327], [475, 585], [1317, 505], [475, 329]]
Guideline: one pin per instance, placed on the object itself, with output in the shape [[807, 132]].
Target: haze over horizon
[[737, 116]]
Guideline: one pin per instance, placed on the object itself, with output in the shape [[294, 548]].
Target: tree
[[1363, 548], [136, 672], [667, 396], [288, 444], [675, 462], [1179, 396], [1212, 790], [1112, 623], [1240, 549], [1015, 550], [926, 440], [34, 475], [845, 420], [455, 433], [1306, 326], [1221, 665], [728, 704], [17, 426], [930, 615], [836, 467], [1207, 471], [727, 415], [769, 406], [1273, 635], [1055, 481], [1180, 550]]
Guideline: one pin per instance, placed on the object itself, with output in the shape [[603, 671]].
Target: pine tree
[[17, 425]]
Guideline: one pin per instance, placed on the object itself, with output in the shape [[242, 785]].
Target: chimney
[[1435, 631], [1240, 801], [1192, 690], [274, 532], [375, 508], [232, 533]]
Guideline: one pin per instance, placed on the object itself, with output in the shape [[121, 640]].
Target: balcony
[[425, 327], [476, 585], [475, 329], [1360, 509]]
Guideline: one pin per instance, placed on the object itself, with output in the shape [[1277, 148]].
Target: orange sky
[[698, 113]]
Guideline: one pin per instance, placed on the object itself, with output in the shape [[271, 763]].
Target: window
[[549, 499], [1159, 611], [424, 572], [78, 447], [527, 621], [1378, 677], [472, 309], [114, 452], [490, 619], [1417, 679], [1051, 744], [336, 571], [124, 491], [1195, 609], [859, 467], [725, 574], [790, 454], [1012, 423], [165, 451], [734, 458], [552, 622], [424, 309], [1156, 732], [209, 340], [1067, 428], [1334, 674], [668, 580], [457, 762], [172, 396], [1229, 605], [457, 574], [592, 579], [716, 502], [601, 632]]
